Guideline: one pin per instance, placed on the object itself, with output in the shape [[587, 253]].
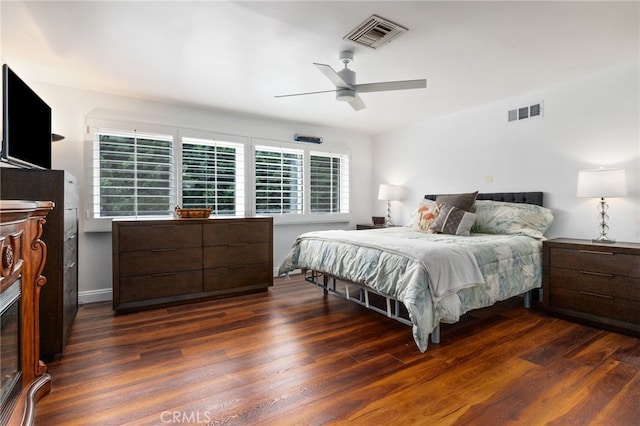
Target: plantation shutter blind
[[329, 182], [279, 180], [135, 174], [213, 175]]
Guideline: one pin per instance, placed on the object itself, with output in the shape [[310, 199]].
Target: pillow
[[461, 201], [454, 221], [499, 217], [425, 215]]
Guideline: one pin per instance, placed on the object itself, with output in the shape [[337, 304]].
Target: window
[[146, 170], [329, 182], [133, 174], [213, 175], [279, 180]]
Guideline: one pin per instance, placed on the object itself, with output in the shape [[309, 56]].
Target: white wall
[[69, 107], [587, 123]]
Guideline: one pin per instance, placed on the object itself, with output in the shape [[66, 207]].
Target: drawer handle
[[163, 226], [237, 245], [166, 274], [163, 249], [597, 252], [596, 295], [238, 266], [600, 274]]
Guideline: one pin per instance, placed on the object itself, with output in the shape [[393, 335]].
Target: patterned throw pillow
[[425, 215], [498, 217], [461, 201], [453, 221]]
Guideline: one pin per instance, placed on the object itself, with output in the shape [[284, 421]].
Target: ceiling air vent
[[375, 31], [521, 113]]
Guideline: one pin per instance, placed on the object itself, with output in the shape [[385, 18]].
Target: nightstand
[[361, 226], [593, 282]]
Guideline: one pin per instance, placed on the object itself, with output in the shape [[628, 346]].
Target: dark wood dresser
[[59, 299], [164, 262], [597, 283]]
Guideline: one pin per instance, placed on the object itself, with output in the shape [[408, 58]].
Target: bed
[[461, 252]]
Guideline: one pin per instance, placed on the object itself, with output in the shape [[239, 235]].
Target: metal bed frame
[[393, 311]]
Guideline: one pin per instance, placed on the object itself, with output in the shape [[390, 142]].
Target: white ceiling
[[239, 55]]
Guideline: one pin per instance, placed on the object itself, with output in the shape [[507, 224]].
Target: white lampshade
[[601, 183], [390, 192]]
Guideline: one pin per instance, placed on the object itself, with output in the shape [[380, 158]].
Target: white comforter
[[449, 268]]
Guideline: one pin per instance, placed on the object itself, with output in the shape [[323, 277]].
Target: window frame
[[300, 182], [91, 223], [344, 182]]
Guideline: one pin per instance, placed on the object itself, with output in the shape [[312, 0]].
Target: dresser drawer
[[160, 285], [245, 231], [597, 283], [237, 276], [594, 304], [159, 236], [159, 261], [235, 254], [596, 260]]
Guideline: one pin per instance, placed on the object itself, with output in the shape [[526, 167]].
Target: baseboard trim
[[106, 294], [94, 296]]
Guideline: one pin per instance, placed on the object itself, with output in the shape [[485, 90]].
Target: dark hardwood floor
[[292, 356]]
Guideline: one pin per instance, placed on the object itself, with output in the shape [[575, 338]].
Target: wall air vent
[[308, 139], [375, 31], [524, 112]]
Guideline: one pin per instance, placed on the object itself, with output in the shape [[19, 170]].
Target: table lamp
[[390, 193], [602, 183]]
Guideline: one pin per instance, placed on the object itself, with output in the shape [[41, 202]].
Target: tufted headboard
[[511, 197]]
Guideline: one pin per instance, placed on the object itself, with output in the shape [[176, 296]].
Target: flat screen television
[[26, 124]]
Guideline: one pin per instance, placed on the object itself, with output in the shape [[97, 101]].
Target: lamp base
[[603, 241]]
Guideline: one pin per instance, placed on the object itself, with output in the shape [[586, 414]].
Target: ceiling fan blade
[[332, 75], [306, 93], [357, 104], [391, 85]]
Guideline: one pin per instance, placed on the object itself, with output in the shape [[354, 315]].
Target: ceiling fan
[[346, 88]]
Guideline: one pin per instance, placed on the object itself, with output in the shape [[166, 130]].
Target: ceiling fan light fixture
[[345, 95]]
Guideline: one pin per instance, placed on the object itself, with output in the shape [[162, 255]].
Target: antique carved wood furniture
[[169, 261], [23, 377]]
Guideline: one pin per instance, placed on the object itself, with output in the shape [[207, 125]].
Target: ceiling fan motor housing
[[346, 94]]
